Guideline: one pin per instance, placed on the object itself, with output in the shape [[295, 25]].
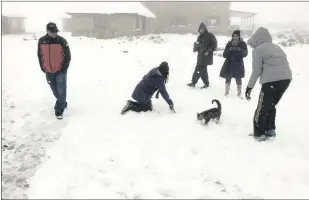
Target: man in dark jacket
[[205, 45], [153, 81], [54, 57]]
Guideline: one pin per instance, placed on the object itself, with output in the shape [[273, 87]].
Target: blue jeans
[[58, 84]]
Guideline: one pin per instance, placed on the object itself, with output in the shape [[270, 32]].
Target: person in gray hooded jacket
[[270, 64]]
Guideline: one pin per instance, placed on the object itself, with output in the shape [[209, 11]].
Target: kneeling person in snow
[[54, 58], [269, 62], [153, 81]]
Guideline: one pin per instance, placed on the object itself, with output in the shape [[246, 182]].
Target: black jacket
[[234, 63], [206, 42]]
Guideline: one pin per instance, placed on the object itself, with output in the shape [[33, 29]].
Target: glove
[[233, 48], [172, 108], [248, 92]]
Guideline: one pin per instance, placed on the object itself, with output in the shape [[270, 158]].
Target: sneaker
[[191, 84], [59, 115], [260, 138], [205, 86], [271, 133], [126, 108]]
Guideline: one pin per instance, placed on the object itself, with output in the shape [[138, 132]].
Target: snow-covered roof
[[236, 13], [66, 16], [13, 15], [110, 8]]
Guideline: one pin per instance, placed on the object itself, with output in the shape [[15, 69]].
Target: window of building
[[212, 21]]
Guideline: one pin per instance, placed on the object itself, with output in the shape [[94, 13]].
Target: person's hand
[[206, 53], [248, 92]]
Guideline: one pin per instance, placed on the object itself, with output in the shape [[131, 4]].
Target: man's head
[[52, 30], [202, 28]]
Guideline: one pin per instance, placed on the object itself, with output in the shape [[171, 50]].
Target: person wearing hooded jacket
[[270, 64], [153, 81], [233, 67], [205, 45]]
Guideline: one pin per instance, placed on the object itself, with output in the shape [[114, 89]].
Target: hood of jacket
[[202, 25], [260, 36]]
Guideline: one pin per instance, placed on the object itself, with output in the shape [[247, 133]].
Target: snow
[[110, 8], [97, 153]]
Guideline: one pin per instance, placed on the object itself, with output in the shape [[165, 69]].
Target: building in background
[[185, 17], [12, 24], [108, 20], [244, 22]]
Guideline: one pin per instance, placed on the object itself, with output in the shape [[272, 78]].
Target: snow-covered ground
[[97, 153]]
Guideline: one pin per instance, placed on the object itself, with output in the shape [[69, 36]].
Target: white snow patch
[[102, 154]]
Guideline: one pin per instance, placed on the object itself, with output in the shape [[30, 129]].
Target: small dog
[[213, 113]]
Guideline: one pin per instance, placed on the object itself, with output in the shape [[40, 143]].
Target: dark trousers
[[200, 72], [265, 113], [58, 84], [229, 80], [141, 107]]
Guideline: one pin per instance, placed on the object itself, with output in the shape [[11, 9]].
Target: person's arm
[[213, 43], [257, 68], [227, 51], [243, 50], [40, 56], [67, 54], [162, 89], [196, 45]]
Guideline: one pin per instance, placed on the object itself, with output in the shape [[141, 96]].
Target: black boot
[[205, 86], [127, 107], [191, 85], [59, 114]]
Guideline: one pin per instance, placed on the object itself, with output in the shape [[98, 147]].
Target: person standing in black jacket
[[233, 67], [205, 45]]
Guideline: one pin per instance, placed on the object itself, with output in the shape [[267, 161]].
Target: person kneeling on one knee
[[153, 81]]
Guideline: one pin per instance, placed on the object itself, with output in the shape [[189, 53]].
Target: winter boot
[[127, 107], [271, 133], [227, 89], [191, 85], [239, 91], [59, 114], [205, 86]]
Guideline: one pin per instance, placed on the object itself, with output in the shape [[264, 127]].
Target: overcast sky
[[267, 12], [270, 12]]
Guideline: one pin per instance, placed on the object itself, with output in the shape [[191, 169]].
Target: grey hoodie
[[269, 62]]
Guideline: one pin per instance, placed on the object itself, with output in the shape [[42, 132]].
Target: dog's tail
[[218, 103]]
